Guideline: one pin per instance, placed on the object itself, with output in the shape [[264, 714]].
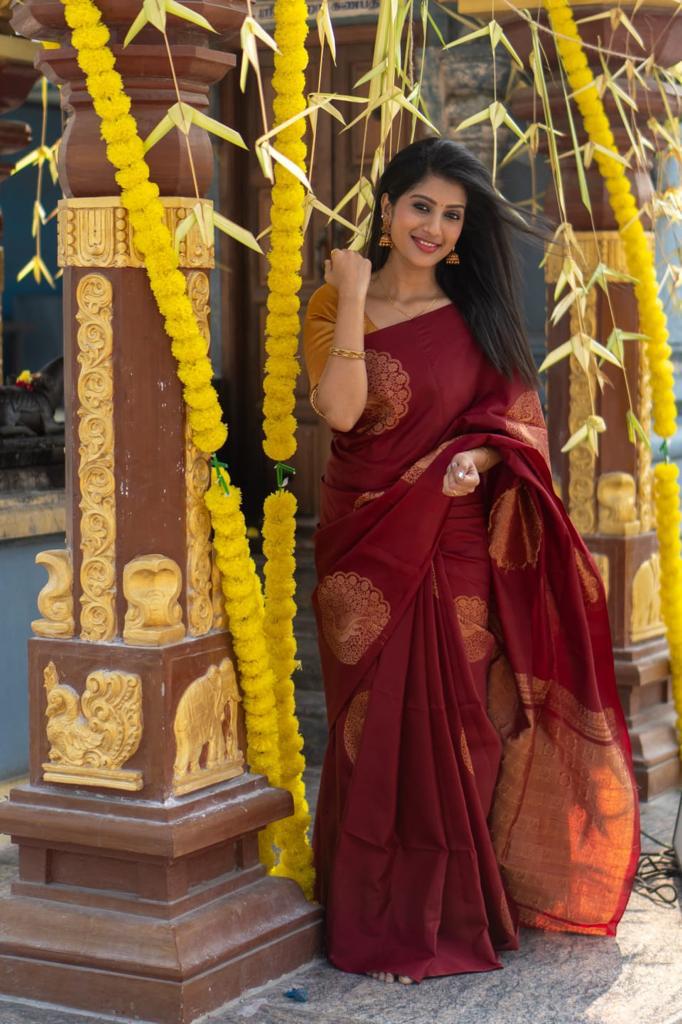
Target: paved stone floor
[[635, 978]]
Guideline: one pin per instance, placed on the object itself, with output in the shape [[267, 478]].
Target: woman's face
[[427, 220]]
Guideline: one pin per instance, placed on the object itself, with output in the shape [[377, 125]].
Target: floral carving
[[94, 297], [197, 481]]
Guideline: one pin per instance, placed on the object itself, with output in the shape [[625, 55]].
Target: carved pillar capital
[[83, 166]]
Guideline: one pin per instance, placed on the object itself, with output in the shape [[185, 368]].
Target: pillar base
[[643, 674], [157, 911]]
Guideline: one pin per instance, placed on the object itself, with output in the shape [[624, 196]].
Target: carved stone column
[[139, 827], [609, 497]]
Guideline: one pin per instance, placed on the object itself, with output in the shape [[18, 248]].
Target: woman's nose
[[434, 227]]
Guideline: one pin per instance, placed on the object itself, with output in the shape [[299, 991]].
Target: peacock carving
[[93, 735]]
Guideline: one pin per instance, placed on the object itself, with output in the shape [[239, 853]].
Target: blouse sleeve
[[318, 331]]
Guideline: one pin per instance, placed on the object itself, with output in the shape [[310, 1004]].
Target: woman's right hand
[[348, 272]]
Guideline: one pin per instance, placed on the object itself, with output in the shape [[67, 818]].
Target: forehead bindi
[[449, 196]]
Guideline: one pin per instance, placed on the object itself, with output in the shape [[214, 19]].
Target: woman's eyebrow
[[450, 206]]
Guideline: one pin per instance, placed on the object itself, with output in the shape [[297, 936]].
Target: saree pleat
[[478, 772]]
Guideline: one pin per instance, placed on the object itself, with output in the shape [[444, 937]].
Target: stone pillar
[[139, 827], [609, 497]]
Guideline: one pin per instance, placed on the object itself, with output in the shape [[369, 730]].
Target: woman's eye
[[420, 206]]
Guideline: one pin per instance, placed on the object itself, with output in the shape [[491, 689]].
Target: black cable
[[653, 872]]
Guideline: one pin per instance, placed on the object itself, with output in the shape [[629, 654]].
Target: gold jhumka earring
[[452, 257], [385, 240]]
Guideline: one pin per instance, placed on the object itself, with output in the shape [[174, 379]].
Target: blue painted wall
[[33, 309], [20, 581]]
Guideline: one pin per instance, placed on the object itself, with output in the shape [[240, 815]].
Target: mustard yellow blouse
[[318, 333]]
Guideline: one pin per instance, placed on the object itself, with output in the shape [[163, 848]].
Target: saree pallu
[[478, 772]]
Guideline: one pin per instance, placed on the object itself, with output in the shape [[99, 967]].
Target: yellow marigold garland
[[279, 534], [652, 320], [667, 502], [244, 608], [285, 256], [140, 196], [281, 370]]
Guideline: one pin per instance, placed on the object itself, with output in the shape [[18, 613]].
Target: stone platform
[[552, 979]]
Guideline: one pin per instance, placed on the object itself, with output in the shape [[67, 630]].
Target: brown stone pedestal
[[629, 566], [160, 912], [646, 694], [141, 900]]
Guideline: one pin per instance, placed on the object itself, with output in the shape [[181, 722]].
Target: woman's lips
[[425, 246]]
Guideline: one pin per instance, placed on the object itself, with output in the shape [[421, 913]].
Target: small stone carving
[[55, 600], [93, 735], [152, 585], [616, 497], [645, 617], [30, 412], [206, 720]]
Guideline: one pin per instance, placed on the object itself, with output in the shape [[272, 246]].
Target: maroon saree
[[478, 771]]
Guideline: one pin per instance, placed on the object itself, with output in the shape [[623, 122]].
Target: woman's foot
[[387, 976]]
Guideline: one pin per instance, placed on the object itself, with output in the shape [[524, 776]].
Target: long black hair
[[486, 285]]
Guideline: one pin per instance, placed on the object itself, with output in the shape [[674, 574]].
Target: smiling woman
[[475, 732]]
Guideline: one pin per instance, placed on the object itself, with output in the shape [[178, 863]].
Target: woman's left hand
[[462, 476]]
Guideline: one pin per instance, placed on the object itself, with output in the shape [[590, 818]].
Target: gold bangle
[[346, 353], [312, 398]]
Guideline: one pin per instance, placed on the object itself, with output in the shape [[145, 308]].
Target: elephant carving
[[645, 617], [206, 719]]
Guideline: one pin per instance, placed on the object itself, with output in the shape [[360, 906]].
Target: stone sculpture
[[207, 718]]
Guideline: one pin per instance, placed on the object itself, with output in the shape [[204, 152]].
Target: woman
[[478, 772]]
